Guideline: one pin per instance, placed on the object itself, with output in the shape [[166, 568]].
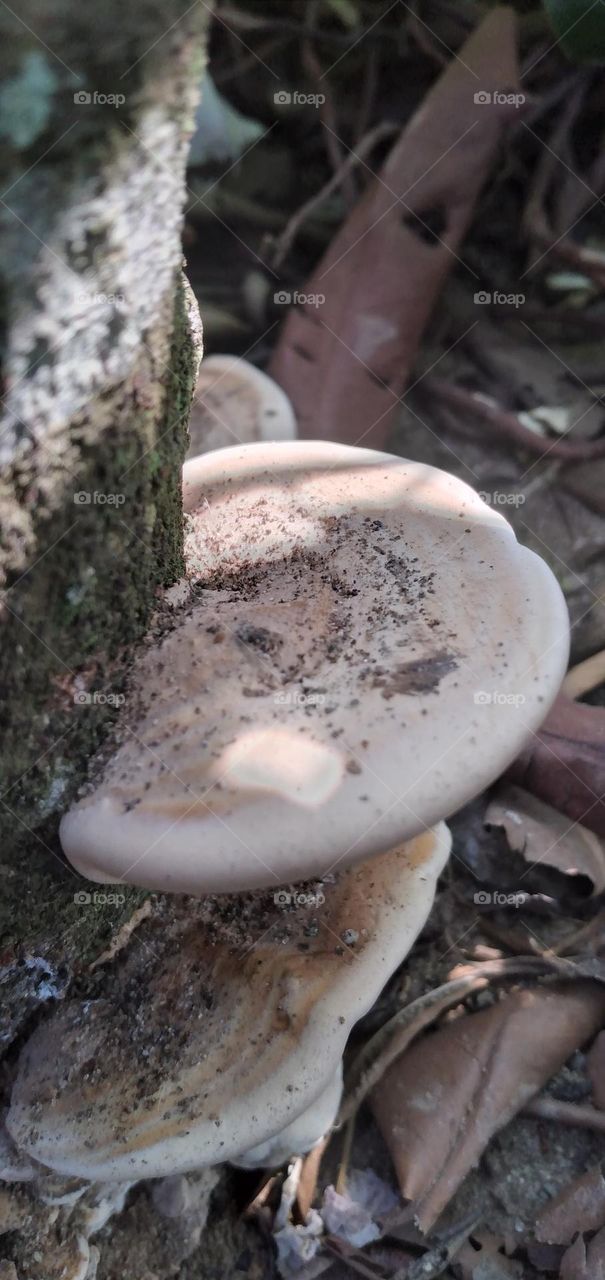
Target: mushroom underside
[[223, 1027]]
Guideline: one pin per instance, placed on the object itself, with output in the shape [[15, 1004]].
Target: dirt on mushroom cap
[[321, 695]]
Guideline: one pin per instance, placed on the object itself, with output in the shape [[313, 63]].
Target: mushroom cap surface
[[301, 1135], [368, 648], [236, 403], [227, 1025]]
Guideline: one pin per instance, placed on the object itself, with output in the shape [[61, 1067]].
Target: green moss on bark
[[70, 624], [170, 451]]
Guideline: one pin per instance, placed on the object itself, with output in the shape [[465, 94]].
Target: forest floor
[[491, 358], [514, 322]]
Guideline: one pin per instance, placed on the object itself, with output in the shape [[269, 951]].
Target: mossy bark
[[100, 357]]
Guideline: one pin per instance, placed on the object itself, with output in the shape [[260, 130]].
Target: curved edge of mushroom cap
[[235, 401], [449, 750], [301, 1135], [129, 1130]]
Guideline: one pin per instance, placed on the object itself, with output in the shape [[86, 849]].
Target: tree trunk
[[101, 347], [101, 350]]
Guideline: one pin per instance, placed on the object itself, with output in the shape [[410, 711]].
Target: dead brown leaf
[[395, 1036], [438, 1105], [573, 1262], [542, 834], [564, 764], [582, 1263], [345, 363], [578, 1207], [484, 1258], [596, 1256]]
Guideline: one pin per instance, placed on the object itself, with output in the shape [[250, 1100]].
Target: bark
[[101, 343], [100, 354], [101, 346]]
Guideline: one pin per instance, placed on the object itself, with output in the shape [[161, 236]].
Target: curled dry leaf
[[439, 1104], [345, 363], [483, 1259], [584, 1262], [596, 1256], [542, 834], [573, 1262], [580, 1206], [564, 763], [395, 1036], [346, 1218]]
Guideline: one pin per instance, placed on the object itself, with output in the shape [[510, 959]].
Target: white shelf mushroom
[[236, 403], [225, 1041], [368, 647], [302, 1134]]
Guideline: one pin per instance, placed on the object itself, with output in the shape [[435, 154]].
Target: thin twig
[[398, 1033], [421, 34], [589, 933], [345, 1158], [565, 316], [247, 21], [366, 102], [588, 261], [547, 1108], [327, 113], [507, 424], [585, 676], [288, 235], [436, 1261], [236, 68], [520, 944], [355, 1260], [534, 220]]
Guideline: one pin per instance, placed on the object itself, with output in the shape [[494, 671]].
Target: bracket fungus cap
[[301, 1135], [226, 1031], [235, 401], [368, 647]]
